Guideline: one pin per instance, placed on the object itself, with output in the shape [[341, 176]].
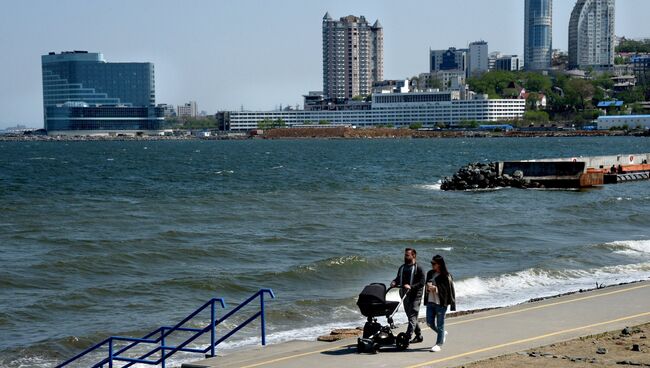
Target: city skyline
[[208, 56]]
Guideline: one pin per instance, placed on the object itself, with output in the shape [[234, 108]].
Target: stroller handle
[[401, 300]]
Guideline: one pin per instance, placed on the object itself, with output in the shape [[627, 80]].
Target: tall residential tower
[[353, 56], [538, 34], [591, 34]]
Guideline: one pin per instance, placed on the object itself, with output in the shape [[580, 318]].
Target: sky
[[255, 54]]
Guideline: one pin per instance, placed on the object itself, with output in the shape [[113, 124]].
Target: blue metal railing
[[160, 335]]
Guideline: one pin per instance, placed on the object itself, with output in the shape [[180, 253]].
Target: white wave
[[631, 246], [446, 249], [435, 186], [30, 362], [515, 288]]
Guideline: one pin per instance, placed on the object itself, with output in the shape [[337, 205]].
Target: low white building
[[395, 109], [619, 121]]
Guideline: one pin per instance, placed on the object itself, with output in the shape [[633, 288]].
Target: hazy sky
[[255, 53]]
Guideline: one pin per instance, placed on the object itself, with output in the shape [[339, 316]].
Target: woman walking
[[440, 294]]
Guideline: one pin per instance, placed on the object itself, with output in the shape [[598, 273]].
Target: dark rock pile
[[485, 176]]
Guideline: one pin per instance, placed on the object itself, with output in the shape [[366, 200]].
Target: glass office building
[[538, 34], [84, 94]]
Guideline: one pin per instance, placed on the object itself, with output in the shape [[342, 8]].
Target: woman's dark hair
[[441, 262]]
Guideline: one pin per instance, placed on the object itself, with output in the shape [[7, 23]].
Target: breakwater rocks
[[476, 176]]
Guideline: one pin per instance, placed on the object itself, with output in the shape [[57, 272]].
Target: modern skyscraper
[[83, 93], [353, 56], [478, 58], [538, 34], [591, 34]]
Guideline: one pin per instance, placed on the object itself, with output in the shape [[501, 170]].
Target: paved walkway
[[471, 338]]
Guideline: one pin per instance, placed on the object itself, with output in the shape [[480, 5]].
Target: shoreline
[[343, 133], [345, 333], [590, 329]]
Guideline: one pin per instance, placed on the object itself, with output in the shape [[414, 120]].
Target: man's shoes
[[417, 339], [435, 349]]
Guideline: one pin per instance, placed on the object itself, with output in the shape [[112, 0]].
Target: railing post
[[213, 328], [263, 319], [162, 347], [110, 353]]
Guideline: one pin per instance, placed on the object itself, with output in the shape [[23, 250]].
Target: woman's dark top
[[446, 292]]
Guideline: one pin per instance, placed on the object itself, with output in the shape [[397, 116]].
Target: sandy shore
[[628, 347]]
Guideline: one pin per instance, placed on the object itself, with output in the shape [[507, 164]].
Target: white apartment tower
[[353, 56], [591, 34], [478, 58]]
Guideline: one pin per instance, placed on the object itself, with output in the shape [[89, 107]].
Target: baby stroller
[[372, 304]]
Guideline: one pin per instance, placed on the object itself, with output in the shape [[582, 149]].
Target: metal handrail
[[162, 332]]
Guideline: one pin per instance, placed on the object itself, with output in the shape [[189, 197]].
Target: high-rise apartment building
[[353, 56], [538, 34], [591, 34], [478, 58], [82, 93]]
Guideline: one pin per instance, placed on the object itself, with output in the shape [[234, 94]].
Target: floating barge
[[579, 172]]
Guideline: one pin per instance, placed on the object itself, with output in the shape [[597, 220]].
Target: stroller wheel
[[360, 347], [402, 341], [375, 348]]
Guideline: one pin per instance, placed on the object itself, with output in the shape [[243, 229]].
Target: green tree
[[636, 94], [434, 82], [265, 124], [579, 92], [634, 46], [532, 100], [536, 82], [540, 117], [415, 126]]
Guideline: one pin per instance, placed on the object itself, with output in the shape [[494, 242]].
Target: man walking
[[410, 277]]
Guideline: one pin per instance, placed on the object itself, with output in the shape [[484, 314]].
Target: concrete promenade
[[472, 337]]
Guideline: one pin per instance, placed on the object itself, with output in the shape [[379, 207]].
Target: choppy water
[[118, 238]]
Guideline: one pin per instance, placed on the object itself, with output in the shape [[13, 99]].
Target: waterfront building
[[509, 63], [353, 56], [430, 108], [538, 34], [187, 110], [83, 94], [591, 34], [620, 121], [451, 59], [477, 62]]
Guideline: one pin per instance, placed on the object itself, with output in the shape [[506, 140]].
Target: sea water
[[119, 238]]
